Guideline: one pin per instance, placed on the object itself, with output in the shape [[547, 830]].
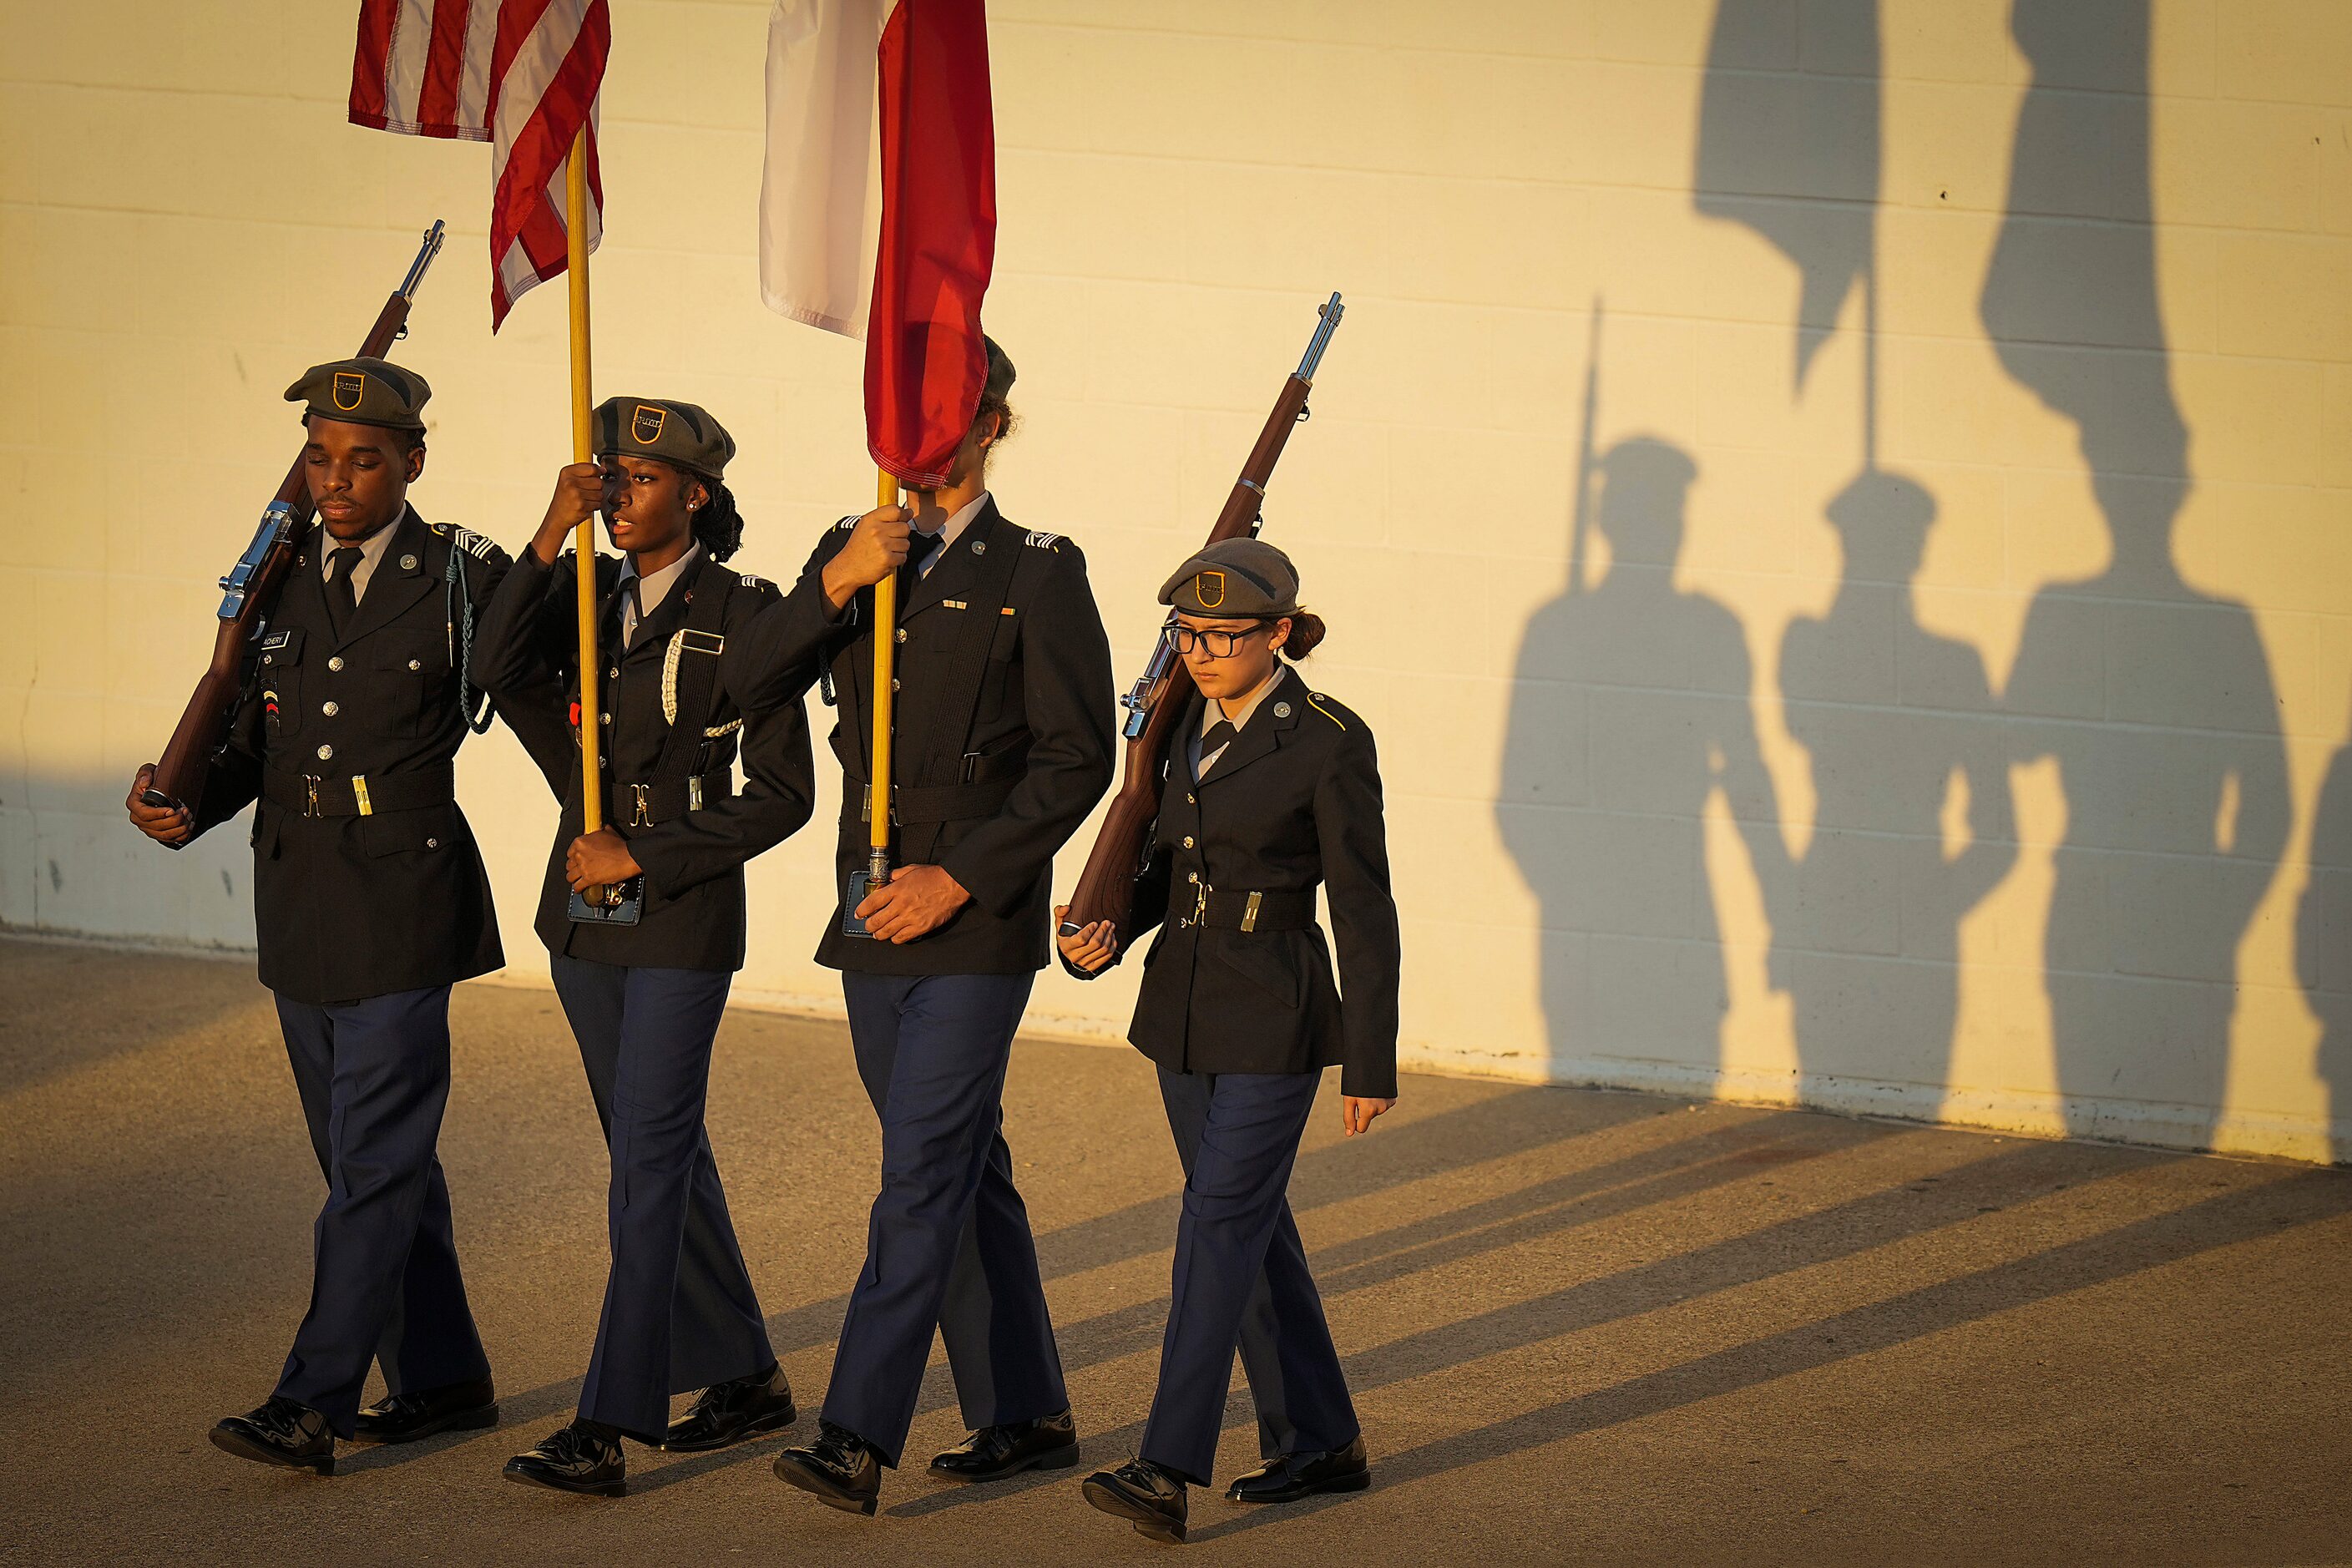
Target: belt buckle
[[645, 814], [310, 782], [1201, 891]]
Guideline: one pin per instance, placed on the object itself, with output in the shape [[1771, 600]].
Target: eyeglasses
[[1220, 644]]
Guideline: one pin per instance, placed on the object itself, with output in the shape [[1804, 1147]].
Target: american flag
[[519, 74]]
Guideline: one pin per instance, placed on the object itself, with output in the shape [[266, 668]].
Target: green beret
[[679, 433], [1237, 579], [999, 384], [362, 392]]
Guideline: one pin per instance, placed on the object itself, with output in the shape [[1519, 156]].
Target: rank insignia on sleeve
[[473, 544], [1041, 540]]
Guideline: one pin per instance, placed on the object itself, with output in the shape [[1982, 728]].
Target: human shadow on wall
[[2154, 698], [1894, 719], [2322, 943], [1630, 708]]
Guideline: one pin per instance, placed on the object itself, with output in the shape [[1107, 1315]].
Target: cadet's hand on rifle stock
[[877, 546], [163, 824], [599, 859], [579, 493], [914, 901], [1092, 948]]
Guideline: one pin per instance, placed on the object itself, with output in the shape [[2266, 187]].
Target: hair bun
[[1307, 632]]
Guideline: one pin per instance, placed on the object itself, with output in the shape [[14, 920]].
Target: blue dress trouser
[[948, 1243], [1241, 1279], [680, 1311], [373, 1076]]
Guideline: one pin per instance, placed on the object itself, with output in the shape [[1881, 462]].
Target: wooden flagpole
[[583, 442], [886, 627]]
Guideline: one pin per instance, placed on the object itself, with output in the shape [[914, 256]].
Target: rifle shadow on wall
[[2154, 697]]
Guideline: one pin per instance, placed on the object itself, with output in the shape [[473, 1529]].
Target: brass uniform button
[[1188, 841], [899, 636], [326, 753], [893, 683], [433, 844], [604, 718], [416, 664], [329, 709], [335, 663], [1191, 800]]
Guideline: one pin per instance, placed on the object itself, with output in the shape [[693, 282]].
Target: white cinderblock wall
[[1941, 731]]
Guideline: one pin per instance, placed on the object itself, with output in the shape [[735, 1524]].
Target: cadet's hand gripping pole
[[583, 442], [886, 627]]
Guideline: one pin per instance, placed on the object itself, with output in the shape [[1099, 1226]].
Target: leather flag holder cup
[[619, 904]]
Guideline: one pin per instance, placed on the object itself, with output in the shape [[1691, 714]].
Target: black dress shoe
[[1295, 1475], [1141, 1491], [573, 1459], [279, 1433], [993, 1453], [839, 1470], [731, 1411], [405, 1417]]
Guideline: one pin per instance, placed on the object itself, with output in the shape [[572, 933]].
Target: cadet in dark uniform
[[644, 998], [368, 901], [1003, 745], [1271, 788]]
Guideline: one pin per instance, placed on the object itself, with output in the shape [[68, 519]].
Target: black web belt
[[992, 785], [644, 805], [1195, 903], [309, 794]]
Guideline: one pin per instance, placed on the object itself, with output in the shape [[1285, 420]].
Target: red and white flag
[[521, 75], [877, 209]]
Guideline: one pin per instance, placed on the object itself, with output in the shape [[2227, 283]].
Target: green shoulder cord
[[460, 608]]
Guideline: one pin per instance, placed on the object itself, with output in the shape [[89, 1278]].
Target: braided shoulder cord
[[477, 716]]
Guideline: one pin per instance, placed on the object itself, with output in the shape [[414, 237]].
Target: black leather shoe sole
[[1353, 1481], [825, 1489], [1061, 1458], [770, 1421], [230, 1441], [474, 1420], [1147, 1520], [530, 1476]]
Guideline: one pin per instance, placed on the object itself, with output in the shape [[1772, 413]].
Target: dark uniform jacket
[[686, 668], [1294, 800], [347, 905], [1002, 727]]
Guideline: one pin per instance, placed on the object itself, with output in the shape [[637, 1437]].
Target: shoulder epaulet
[[847, 522], [1329, 707], [1039, 539], [472, 543]]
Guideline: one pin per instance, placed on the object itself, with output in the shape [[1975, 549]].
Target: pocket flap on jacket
[[426, 830], [1267, 965]]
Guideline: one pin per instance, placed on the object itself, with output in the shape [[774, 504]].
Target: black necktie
[[921, 547], [1215, 739], [342, 602]]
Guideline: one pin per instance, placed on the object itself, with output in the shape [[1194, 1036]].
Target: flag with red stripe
[[876, 104], [521, 75]]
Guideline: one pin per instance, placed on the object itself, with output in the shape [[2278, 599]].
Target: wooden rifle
[[252, 586], [1106, 890]]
